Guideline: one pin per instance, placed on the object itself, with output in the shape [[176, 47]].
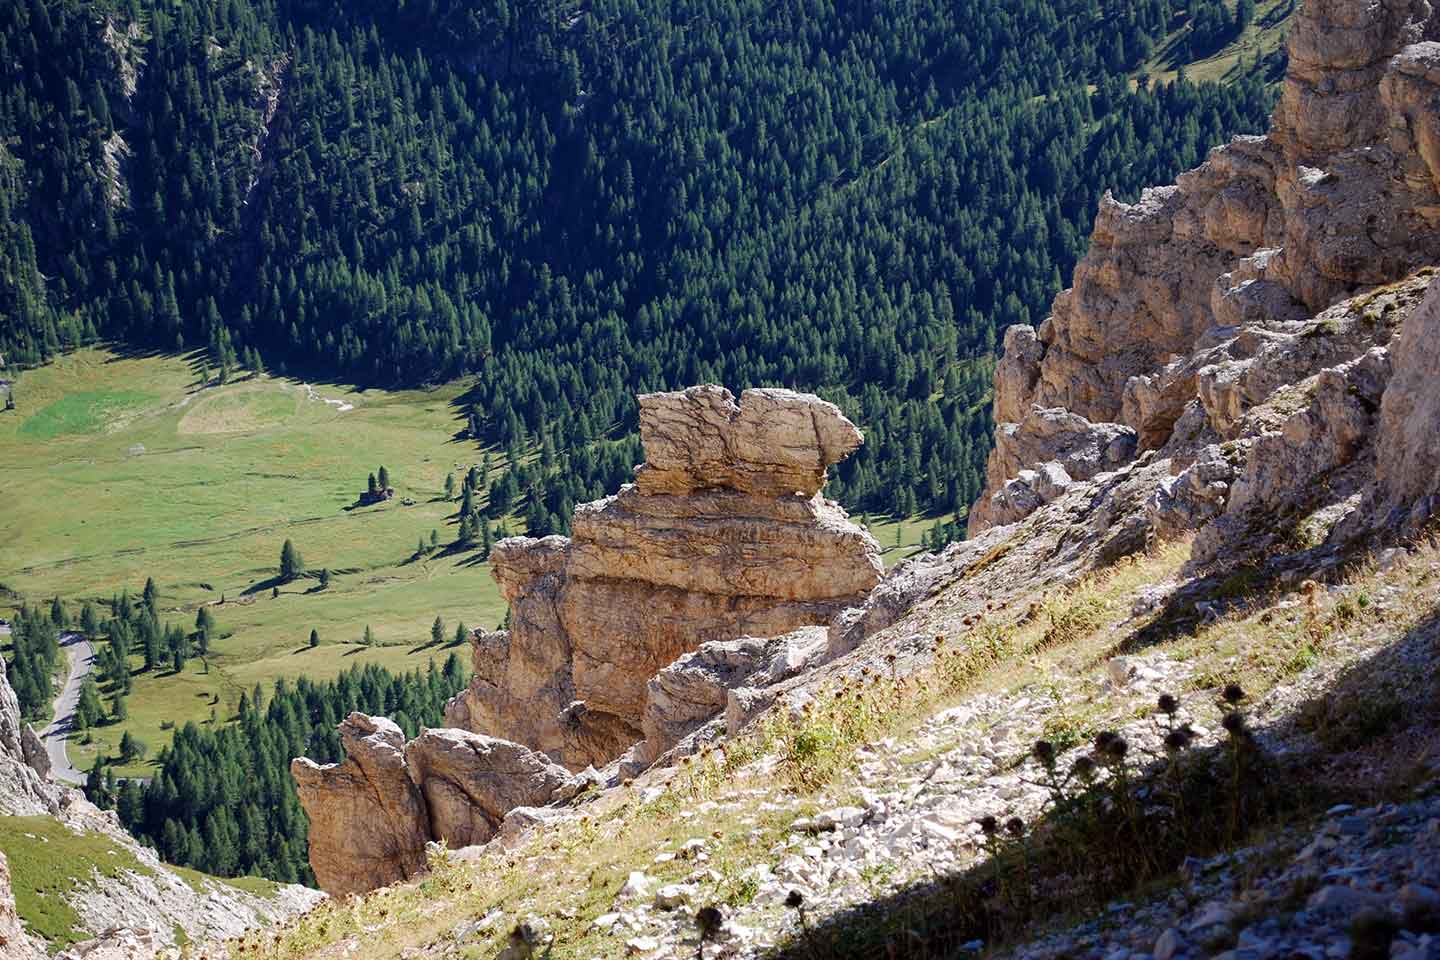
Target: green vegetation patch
[[47, 860], [82, 413]]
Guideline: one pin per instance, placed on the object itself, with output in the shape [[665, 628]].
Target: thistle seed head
[[709, 919]]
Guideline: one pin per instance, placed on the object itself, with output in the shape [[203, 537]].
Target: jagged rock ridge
[[1208, 330], [372, 814]]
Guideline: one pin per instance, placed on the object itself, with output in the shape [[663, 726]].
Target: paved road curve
[[81, 654]]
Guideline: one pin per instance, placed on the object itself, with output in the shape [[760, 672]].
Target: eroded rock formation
[[1234, 328], [372, 814], [25, 788], [723, 535], [368, 821]]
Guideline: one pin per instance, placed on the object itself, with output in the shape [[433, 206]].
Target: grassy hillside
[[942, 748], [1263, 38], [120, 468]]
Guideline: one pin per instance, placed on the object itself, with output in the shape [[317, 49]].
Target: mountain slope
[[581, 203]]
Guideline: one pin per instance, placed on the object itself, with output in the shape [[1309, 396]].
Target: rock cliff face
[[25, 788], [1235, 330], [723, 535]]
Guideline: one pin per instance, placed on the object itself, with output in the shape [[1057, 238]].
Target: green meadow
[[117, 468], [114, 469]]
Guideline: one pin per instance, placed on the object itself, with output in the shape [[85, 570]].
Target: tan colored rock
[[1060, 446], [1017, 372], [1408, 444], [789, 548], [1202, 291], [368, 820], [697, 687], [1338, 53], [773, 443], [471, 781], [723, 535]]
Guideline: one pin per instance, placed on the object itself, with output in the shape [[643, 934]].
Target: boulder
[[773, 443], [471, 781], [368, 819]]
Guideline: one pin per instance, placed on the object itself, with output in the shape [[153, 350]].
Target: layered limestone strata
[[724, 534], [1197, 305]]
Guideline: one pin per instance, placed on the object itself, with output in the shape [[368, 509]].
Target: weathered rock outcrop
[[372, 814], [1188, 329], [368, 821], [25, 788], [723, 535], [1408, 442], [702, 684]]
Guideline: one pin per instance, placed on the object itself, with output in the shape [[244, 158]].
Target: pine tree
[[291, 563], [369, 638], [384, 478], [437, 631], [462, 633], [151, 595], [204, 628], [314, 638], [449, 486], [324, 577], [89, 622]]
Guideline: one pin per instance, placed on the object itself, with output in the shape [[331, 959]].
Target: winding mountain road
[[81, 655]]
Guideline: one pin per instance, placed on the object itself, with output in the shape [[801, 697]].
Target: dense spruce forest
[[576, 202]]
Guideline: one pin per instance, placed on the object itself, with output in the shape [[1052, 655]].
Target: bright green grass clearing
[[1263, 37], [47, 861], [83, 413], [117, 468]]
